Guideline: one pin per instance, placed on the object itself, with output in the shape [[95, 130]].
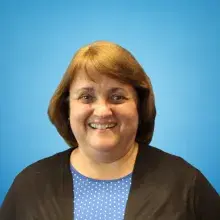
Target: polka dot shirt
[[99, 199]]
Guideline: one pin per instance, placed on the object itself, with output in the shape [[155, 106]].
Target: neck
[[107, 168]]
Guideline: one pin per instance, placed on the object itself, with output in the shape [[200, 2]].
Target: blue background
[[177, 42]]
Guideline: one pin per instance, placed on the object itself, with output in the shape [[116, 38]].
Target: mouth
[[102, 126]]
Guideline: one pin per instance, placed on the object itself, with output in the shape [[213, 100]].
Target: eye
[[118, 98], [86, 98]]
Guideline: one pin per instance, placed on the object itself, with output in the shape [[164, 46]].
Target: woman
[[104, 109]]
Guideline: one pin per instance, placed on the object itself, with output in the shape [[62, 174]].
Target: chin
[[104, 145]]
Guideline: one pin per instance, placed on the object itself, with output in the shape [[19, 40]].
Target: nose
[[102, 109]]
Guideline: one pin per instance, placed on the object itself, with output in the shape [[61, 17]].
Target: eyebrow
[[87, 89], [116, 89], [91, 89]]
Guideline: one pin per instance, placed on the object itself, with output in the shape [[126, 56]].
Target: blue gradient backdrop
[[177, 42]]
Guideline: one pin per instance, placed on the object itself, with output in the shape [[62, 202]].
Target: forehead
[[97, 80]]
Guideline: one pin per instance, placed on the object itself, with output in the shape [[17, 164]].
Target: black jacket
[[164, 187]]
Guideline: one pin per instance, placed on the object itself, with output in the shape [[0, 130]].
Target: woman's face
[[103, 114]]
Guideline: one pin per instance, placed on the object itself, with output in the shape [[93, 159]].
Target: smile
[[102, 126]]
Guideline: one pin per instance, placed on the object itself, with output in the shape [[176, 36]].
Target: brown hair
[[115, 62]]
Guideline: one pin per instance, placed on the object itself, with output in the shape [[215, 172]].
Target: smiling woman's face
[[103, 114]]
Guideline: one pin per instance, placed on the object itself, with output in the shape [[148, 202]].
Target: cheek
[[129, 116], [78, 114]]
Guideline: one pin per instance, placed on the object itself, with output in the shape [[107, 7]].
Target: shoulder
[[165, 169], [185, 179], [45, 167], [158, 159]]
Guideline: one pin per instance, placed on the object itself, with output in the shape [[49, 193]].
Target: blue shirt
[[100, 199]]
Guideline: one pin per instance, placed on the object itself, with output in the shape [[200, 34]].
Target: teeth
[[101, 126]]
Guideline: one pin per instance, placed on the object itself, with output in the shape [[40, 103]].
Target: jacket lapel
[[137, 195], [64, 186]]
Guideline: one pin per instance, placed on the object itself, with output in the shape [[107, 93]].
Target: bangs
[[112, 65]]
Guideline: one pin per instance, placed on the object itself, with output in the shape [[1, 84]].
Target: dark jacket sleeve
[[15, 204], [8, 208], [206, 199], [38, 191]]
